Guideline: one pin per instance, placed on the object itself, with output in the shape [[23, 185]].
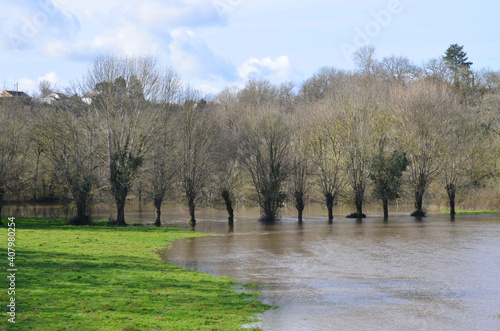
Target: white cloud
[[28, 86], [175, 13], [193, 56], [50, 77], [28, 23], [207, 88], [279, 68], [31, 86], [124, 40], [155, 15], [92, 8], [56, 49], [127, 40]]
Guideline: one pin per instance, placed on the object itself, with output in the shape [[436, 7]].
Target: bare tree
[[227, 98], [463, 152], [161, 164], [45, 88], [198, 137], [264, 153], [13, 146], [228, 172], [126, 88], [365, 60], [70, 141], [489, 79], [318, 86], [398, 69], [423, 114], [258, 92], [286, 96], [301, 164], [325, 152], [437, 71], [359, 106]]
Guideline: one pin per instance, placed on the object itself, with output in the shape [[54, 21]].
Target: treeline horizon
[[387, 130]]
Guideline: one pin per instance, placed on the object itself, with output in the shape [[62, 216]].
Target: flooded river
[[405, 274], [402, 275]]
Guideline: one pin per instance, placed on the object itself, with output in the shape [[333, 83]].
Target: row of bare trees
[[340, 136]]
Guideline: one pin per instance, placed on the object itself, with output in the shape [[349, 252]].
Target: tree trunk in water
[[299, 204], [157, 204], [385, 202], [229, 206], [329, 205], [192, 208], [451, 190], [418, 201], [358, 201], [419, 197], [359, 205], [268, 205]]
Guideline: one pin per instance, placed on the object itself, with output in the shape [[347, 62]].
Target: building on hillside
[[13, 94], [53, 98], [87, 97]]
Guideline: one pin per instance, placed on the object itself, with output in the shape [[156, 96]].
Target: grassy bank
[[108, 278]]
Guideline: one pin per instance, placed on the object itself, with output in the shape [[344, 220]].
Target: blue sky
[[217, 43]]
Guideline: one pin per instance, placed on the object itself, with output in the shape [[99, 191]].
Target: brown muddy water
[[404, 274]]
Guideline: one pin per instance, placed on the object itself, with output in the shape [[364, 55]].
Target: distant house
[[13, 94], [53, 98], [87, 97]]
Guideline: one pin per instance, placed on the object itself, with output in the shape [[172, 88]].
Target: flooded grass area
[[404, 274]]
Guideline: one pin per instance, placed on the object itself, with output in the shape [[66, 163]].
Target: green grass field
[[109, 278]]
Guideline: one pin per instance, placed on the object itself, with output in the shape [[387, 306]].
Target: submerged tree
[[126, 89], [386, 176], [227, 171], [388, 164], [71, 142], [197, 140], [463, 151], [161, 162], [301, 165], [359, 105], [264, 153], [423, 115], [325, 152]]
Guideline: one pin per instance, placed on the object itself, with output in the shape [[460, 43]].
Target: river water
[[404, 274]]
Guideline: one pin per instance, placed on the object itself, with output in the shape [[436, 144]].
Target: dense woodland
[[391, 130]]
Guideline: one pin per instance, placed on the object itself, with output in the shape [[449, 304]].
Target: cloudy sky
[[216, 43]]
